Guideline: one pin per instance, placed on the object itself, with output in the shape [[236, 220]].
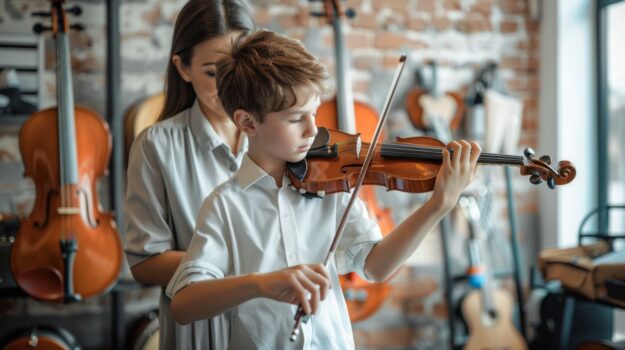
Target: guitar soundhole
[[492, 314]]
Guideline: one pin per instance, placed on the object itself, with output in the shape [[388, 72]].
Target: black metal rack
[[113, 116], [455, 341]]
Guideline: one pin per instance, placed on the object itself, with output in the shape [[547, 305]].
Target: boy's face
[[288, 134]]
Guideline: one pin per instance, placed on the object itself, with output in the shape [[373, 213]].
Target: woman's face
[[201, 73]]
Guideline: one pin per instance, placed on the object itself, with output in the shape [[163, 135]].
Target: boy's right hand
[[295, 284]]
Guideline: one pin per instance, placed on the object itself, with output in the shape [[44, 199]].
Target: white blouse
[[173, 166]]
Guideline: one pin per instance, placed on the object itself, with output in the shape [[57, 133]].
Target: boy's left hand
[[455, 173]]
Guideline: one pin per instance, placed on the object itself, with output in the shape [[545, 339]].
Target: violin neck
[[65, 101], [406, 151]]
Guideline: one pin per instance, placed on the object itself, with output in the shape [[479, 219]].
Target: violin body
[[339, 174], [36, 261]]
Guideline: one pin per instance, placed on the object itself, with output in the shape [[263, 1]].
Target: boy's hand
[[295, 284], [455, 174]]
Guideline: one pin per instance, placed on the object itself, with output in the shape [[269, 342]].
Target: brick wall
[[461, 35]]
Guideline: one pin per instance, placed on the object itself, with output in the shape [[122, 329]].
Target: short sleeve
[[209, 253], [361, 234], [146, 212]]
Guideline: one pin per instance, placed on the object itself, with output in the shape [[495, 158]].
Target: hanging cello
[[346, 114], [66, 249]]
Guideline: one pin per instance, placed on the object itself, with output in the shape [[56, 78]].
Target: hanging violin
[[66, 249]]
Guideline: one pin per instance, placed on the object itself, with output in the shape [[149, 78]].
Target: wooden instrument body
[[345, 113], [36, 259], [488, 332]]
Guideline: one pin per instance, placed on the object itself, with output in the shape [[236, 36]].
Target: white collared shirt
[[248, 225], [173, 166]]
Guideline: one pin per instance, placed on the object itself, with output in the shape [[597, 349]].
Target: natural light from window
[[616, 102]]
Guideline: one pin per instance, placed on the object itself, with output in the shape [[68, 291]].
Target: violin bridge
[[358, 146], [68, 211]]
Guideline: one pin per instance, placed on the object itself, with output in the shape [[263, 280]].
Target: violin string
[[433, 152], [438, 155]]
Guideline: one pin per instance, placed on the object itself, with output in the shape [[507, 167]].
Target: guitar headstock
[[540, 170]]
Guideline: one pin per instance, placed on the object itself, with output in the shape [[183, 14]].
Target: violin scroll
[[540, 170]]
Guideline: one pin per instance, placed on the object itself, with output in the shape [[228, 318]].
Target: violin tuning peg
[[529, 153], [551, 182], [293, 187], [321, 194], [41, 14], [39, 28], [302, 190], [74, 10], [546, 159], [536, 180]]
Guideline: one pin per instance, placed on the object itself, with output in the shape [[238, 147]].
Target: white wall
[[567, 114]]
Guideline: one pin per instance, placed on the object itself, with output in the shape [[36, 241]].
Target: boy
[[257, 245]]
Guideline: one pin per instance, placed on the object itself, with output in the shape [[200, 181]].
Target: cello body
[[36, 261], [66, 249], [345, 113]]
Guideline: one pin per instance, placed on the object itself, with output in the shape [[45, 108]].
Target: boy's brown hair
[[263, 71]]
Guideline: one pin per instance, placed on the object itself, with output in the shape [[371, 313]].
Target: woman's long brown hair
[[199, 21]]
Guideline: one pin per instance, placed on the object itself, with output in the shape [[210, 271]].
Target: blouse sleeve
[[146, 213], [209, 253], [361, 234]]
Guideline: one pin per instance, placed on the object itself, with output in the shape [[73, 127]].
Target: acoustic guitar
[[487, 310]]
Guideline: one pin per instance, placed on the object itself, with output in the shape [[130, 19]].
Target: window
[[611, 104]]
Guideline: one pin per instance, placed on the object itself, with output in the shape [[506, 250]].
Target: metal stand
[[450, 281]]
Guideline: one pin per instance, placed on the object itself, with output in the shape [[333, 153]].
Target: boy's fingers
[[455, 158], [446, 158], [476, 150], [466, 153], [320, 277], [313, 290], [300, 291], [475, 154]]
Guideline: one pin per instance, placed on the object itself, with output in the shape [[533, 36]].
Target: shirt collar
[[250, 173], [202, 128]]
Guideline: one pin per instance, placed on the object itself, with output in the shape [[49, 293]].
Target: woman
[[177, 162]]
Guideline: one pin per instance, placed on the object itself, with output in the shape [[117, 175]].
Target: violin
[[408, 164], [66, 249], [344, 113]]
